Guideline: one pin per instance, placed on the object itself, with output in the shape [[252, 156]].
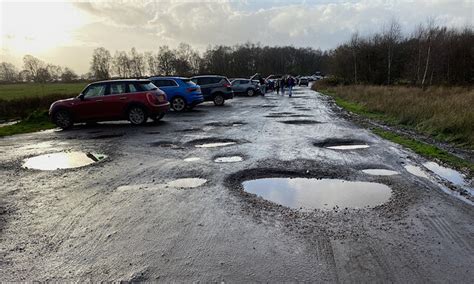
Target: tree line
[[430, 55]]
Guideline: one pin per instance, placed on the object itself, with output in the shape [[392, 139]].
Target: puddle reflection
[[319, 193], [62, 160]]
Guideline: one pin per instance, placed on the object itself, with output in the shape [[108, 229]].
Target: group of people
[[279, 85]]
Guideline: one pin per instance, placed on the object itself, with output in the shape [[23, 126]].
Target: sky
[[66, 32]]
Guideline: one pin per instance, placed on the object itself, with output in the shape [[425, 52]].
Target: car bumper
[[159, 109]]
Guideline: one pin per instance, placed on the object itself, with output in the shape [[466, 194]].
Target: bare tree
[[355, 46], [429, 38], [166, 57], [137, 63], [68, 75], [392, 36], [8, 72], [34, 67], [101, 63]]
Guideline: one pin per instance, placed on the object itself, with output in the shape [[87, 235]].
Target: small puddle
[[213, 145], [380, 172], [186, 182], [300, 122], [192, 159], [417, 171], [62, 160], [348, 147], [230, 159], [319, 193], [448, 174]]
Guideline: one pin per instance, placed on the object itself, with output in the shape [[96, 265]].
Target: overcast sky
[[66, 32]]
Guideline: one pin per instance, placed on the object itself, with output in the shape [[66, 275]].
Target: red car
[[135, 100]]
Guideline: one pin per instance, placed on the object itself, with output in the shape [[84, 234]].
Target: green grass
[[37, 121], [28, 90], [443, 113], [423, 149], [426, 150]]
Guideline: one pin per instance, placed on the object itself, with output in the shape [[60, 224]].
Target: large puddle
[[342, 144], [319, 193], [62, 160], [450, 175]]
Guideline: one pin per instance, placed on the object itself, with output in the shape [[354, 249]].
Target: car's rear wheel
[[63, 119], [250, 92], [219, 100], [178, 104], [137, 115]]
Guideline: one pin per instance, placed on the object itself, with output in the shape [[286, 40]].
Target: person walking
[[291, 83], [263, 87], [282, 85], [277, 86]]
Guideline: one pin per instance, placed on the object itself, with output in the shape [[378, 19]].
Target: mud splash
[[309, 194], [62, 160]]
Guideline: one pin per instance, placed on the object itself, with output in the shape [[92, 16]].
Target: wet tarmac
[[160, 209]]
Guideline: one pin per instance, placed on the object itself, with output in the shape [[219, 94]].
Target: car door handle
[[122, 99], [99, 100]]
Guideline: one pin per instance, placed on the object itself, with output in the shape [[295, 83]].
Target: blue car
[[182, 93]]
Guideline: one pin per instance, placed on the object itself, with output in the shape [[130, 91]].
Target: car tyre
[[178, 104], [250, 92], [158, 117], [219, 100], [63, 119], [137, 115]]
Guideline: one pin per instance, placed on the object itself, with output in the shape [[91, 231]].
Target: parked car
[[245, 86], [182, 93], [303, 81], [214, 88], [135, 100]]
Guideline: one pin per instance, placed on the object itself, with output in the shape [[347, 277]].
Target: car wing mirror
[[81, 97]]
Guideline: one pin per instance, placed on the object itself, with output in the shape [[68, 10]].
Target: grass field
[[440, 112], [27, 90]]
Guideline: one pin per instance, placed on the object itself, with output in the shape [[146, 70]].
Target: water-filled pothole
[[186, 182], [311, 194], [342, 144], [300, 122], [106, 136], [450, 175], [380, 172], [417, 171], [62, 160], [212, 142], [228, 159], [226, 124]]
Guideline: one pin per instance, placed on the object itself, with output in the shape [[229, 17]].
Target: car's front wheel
[[219, 100], [250, 92], [63, 119], [178, 104], [137, 115]]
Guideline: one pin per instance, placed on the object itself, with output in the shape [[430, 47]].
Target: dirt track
[[118, 220]]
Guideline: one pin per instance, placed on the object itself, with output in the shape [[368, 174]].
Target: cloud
[[120, 25]]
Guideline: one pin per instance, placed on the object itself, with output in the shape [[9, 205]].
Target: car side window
[[203, 81], [215, 80], [117, 88], [158, 83], [94, 91], [236, 82], [244, 81], [132, 88]]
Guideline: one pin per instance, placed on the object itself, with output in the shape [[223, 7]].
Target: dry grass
[[446, 113]]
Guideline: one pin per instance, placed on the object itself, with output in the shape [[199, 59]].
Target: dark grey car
[[245, 86], [214, 88]]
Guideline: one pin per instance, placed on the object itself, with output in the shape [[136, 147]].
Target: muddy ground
[[119, 219]]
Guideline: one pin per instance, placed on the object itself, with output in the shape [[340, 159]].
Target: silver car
[[245, 86]]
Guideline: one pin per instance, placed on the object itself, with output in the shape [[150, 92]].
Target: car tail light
[[227, 85], [155, 99], [191, 89]]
